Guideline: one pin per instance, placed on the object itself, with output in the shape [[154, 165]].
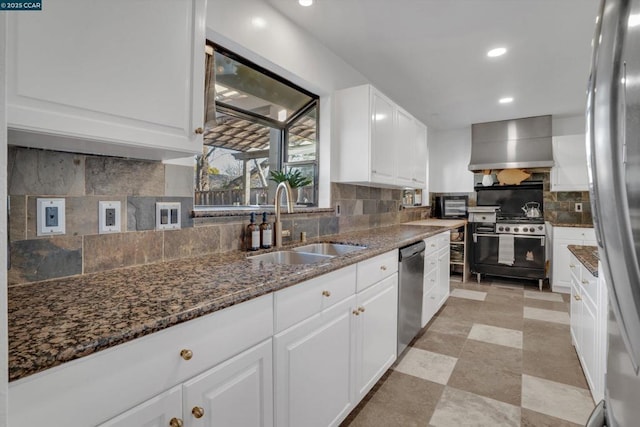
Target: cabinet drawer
[[296, 303], [574, 233], [430, 280], [444, 239], [590, 284], [147, 365], [575, 268], [377, 268], [430, 262], [431, 245]]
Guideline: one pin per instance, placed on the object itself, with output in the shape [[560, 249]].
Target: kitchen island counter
[[57, 321], [588, 256]]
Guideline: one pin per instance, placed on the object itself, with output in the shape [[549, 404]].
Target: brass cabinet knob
[[199, 131], [326, 294], [383, 267], [356, 312], [197, 412], [186, 354], [577, 297], [361, 309], [175, 422], [584, 282]]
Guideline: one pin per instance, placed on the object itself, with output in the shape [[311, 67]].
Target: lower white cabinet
[[313, 368], [376, 333], [436, 275], [588, 325], [237, 392], [161, 411], [562, 238]]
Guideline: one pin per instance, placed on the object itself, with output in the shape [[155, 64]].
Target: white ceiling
[[429, 56]]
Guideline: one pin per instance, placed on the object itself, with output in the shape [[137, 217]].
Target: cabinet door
[[376, 333], [108, 77], [383, 150], [569, 172], [313, 362], [419, 157], [576, 315], [443, 276], [561, 260], [238, 392], [156, 412], [588, 348], [405, 149]]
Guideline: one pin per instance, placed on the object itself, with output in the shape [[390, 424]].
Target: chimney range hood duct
[[508, 144]]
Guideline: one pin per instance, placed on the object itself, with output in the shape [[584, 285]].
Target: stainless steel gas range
[[508, 232]]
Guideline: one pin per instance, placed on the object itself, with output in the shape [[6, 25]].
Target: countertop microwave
[[451, 206]]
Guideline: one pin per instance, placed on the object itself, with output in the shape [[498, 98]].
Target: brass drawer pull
[[383, 267], [361, 309], [186, 354], [577, 297], [356, 312], [199, 131], [197, 412], [175, 422], [326, 294]]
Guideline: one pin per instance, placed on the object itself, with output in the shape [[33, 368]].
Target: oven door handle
[[516, 236]]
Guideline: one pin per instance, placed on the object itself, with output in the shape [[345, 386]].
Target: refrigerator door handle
[[598, 416]]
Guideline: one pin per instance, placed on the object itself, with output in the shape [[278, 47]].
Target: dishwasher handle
[[412, 250]]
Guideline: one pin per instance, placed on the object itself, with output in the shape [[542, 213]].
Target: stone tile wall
[[84, 180]]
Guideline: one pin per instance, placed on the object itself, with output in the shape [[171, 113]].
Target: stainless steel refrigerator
[[613, 148]]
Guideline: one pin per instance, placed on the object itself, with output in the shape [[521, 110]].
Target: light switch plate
[[50, 218], [168, 216], [109, 217]]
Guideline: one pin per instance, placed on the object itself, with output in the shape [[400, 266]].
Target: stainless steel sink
[[290, 257], [328, 248]]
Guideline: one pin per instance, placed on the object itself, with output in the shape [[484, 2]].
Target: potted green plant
[[293, 177]]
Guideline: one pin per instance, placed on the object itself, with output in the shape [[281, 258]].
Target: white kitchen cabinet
[[375, 140], [164, 410], [569, 172], [376, 333], [149, 366], [436, 275], [238, 392], [313, 368], [589, 325], [420, 157], [560, 266], [122, 78]]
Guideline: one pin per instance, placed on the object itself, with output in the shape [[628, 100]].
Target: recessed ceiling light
[[258, 22], [505, 100], [305, 2], [634, 20], [499, 51]]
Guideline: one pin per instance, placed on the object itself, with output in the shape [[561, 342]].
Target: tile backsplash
[[84, 180]]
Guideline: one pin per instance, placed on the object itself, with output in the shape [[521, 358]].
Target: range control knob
[[516, 229], [539, 227], [525, 229], [506, 229], [500, 228]]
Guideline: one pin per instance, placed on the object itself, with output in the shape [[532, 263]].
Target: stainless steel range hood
[[519, 143]]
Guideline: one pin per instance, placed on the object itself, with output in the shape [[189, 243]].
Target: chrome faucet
[[277, 226]]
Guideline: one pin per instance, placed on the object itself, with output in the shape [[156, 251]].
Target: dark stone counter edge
[[588, 257], [225, 301]]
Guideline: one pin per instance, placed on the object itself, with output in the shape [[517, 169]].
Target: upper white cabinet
[[570, 157], [119, 77], [376, 142]]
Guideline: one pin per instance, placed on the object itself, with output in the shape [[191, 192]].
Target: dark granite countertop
[[588, 256], [57, 321]]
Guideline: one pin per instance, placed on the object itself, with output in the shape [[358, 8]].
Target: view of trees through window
[[257, 123]]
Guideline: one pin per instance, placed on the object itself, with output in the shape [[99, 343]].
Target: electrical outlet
[[167, 216], [109, 217], [578, 207], [50, 217]]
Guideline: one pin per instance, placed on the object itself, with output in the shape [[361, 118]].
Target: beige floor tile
[[461, 408], [401, 400], [545, 296], [488, 381], [552, 338], [562, 367], [536, 419], [427, 365], [496, 335], [547, 305], [500, 318], [555, 399], [495, 356], [546, 315], [450, 345], [468, 294], [451, 325]]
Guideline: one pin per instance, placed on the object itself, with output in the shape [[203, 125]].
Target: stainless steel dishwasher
[[410, 289]]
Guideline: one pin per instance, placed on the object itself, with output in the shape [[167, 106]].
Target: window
[[257, 122]]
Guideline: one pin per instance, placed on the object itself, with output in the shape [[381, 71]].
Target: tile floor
[[498, 353]]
